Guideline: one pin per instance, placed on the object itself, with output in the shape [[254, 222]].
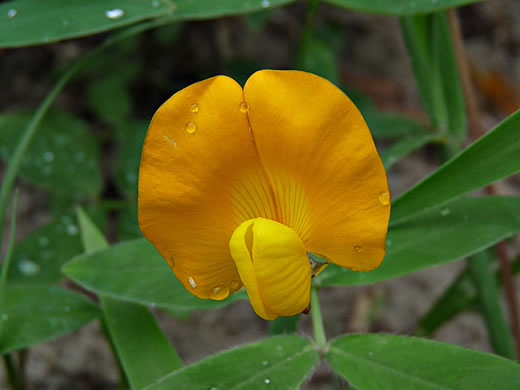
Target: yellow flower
[[237, 185]]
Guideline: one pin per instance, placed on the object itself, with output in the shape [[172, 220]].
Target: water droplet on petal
[[384, 198], [191, 127], [116, 13], [244, 107], [235, 284], [266, 3], [72, 230], [194, 108], [445, 212], [11, 13], [358, 249], [219, 292], [48, 156], [192, 282], [267, 381], [28, 267]]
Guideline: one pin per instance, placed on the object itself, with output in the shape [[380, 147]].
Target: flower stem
[[317, 321]]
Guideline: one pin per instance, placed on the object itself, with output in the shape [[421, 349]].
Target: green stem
[[12, 375], [317, 321]]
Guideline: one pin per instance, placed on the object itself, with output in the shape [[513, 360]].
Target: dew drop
[[244, 107], [235, 284], [192, 282], [48, 156], [371, 354], [213, 388], [44, 241], [72, 230], [191, 127], [266, 3], [265, 363], [267, 381], [116, 13], [155, 3], [11, 13], [28, 267], [445, 212], [65, 22], [384, 198], [358, 249], [194, 108], [219, 292]]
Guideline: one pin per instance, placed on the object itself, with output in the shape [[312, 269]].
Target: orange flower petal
[[199, 179], [328, 181]]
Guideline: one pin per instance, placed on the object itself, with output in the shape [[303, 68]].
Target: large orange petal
[[328, 180], [199, 179]]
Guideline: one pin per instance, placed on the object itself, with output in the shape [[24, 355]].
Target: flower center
[[274, 267]]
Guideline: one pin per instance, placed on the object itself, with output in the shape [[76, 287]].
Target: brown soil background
[[373, 60]]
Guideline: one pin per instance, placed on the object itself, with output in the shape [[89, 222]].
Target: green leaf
[[380, 361], [128, 225], [492, 157], [437, 236], [431, 52], [40, 256], [404, 147], [384, 125], [398, 7], [133, 271], [284, 325], [62, 157], [489, 303], [277, 363], [144, 351], [30, 22], [35, 314], [131, 138]]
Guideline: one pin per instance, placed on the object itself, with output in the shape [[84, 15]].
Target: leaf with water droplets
[[382, 361], [36, 22], [38, 258], [51, 160], [118, 272], [437, 236], [37, 314], [277, 363]]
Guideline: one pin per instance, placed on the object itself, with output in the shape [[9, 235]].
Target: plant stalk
[[317, 321]]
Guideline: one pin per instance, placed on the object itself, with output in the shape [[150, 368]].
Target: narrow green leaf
[[489, 303], [144, 351], [133, 271], [431, 52], [493, 157], [278, 363], [30, 22], [380, 361], [393, 7], [437, 236], [62, 158], [404, 147], [459, 296], [37, 314]]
